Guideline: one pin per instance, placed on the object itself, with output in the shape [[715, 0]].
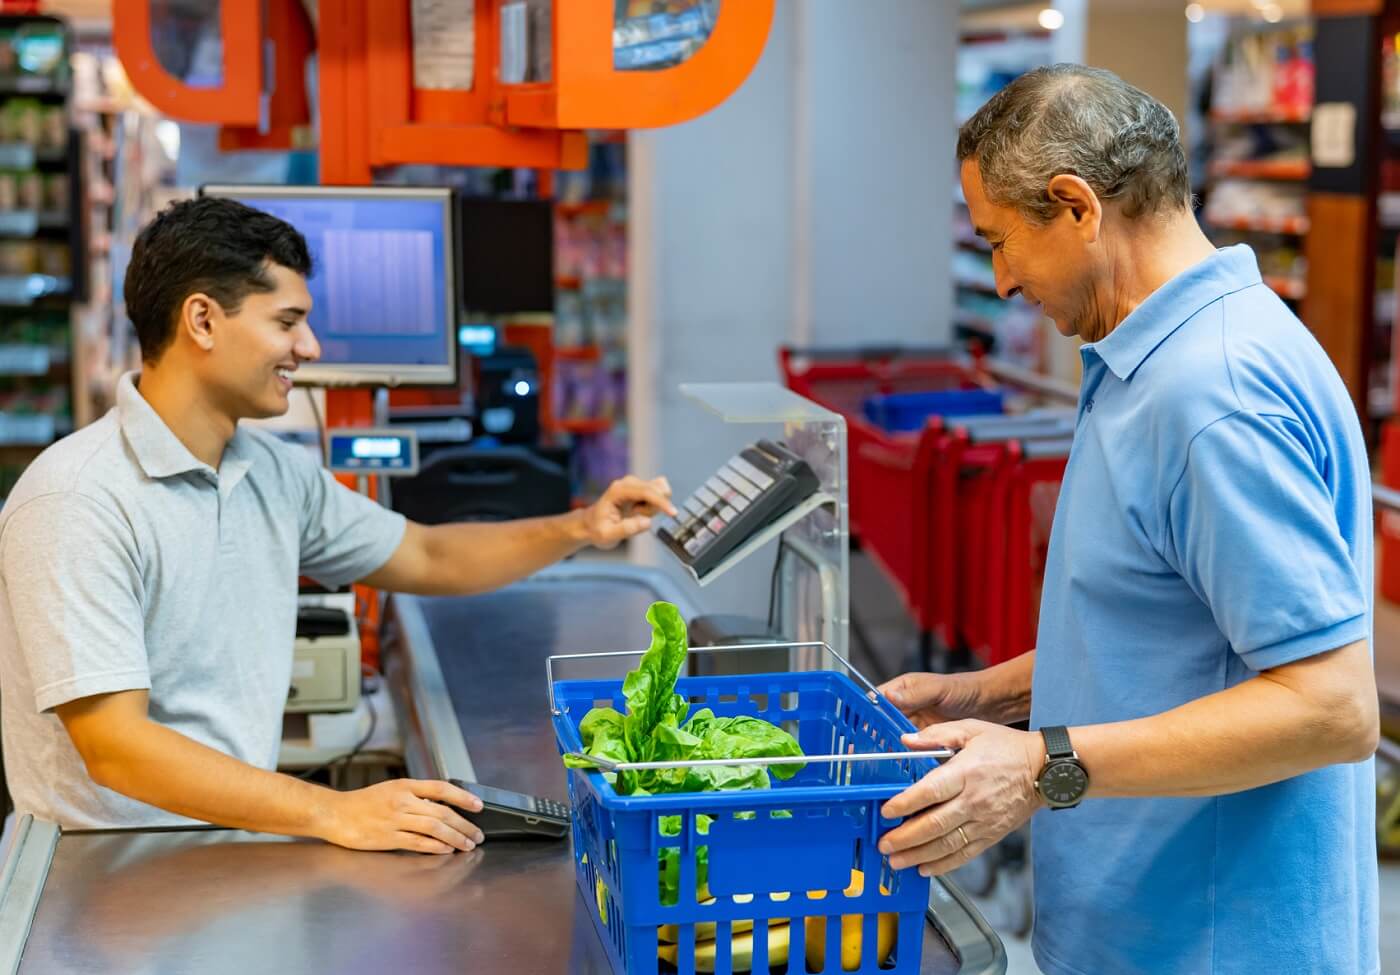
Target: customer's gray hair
[[1087, 122]]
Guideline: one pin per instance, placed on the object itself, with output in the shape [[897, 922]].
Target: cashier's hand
[[626, 509], [970, 801], [403, 814]]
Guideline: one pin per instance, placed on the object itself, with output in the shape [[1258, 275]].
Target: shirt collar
[[1228, 270], [160, 453]]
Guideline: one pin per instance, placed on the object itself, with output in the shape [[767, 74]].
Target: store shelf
[[578, 353], [31, 429], [19, 223], [25, 289], [974, 244], [24, 156], [1291, 170], [24, 224], [1267, 116], [973, 323], [981, 287], [595, 208], [21, 359], [1293, 226], [1294, 289], [990, 38], [585, 427], [32, 86]]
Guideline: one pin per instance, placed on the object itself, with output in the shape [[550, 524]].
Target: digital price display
[[361, 451]]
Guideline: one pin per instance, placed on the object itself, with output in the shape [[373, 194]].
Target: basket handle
[[870, 692], [607, 765], [878, 699]]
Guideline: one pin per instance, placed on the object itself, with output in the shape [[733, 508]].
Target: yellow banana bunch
[[741, 936], [852, 932]]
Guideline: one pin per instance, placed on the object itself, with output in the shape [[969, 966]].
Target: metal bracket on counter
[[22, 877], [442, 734]]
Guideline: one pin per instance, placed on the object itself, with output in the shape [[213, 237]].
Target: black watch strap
[[1057, 742]]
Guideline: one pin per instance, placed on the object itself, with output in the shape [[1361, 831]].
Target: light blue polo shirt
[[1215, 521]]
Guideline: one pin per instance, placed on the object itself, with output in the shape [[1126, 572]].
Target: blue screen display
[[378, 286], [369, 452]]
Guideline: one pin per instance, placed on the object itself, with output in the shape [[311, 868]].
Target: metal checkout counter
[[467, 675]]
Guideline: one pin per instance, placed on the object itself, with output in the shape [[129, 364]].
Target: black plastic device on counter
[[758, 485], [515, 815]]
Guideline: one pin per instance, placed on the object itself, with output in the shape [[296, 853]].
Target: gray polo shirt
[[126, 563]]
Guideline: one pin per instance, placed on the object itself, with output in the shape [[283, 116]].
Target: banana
[[741, 951], [852, 932], [705, 930], [600, 894]]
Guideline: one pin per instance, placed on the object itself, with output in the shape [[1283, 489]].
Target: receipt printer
[[325, 656]]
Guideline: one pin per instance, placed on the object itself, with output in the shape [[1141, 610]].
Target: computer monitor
[[383, 285]]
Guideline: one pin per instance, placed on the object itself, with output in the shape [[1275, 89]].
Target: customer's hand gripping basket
[[756, 860]]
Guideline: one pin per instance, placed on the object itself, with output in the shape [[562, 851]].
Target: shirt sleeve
[[344, 535], [73, 581], [1254, 532]]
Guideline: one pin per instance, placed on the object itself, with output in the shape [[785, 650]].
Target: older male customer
[[1202, 693]]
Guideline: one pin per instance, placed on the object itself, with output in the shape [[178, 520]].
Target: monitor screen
[[507, 260], [383, 279]]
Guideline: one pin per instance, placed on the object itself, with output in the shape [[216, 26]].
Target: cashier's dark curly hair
[[216, 246]]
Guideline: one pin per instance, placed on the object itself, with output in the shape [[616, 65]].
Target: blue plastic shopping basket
[[805, 834]]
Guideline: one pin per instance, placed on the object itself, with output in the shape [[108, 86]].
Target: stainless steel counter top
[[469, 679], [224, 901]]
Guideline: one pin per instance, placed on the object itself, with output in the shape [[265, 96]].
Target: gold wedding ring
[[966, 841]]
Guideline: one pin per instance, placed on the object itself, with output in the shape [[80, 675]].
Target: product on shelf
[[29, 190], [1266, 75], [37, 252], [53, 129], [55, 196], [36, 50], [988, 63], [1265, 205]]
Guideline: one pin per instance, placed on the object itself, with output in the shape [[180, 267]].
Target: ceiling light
[[1271, 12], [1195, 13], [1051, 19]]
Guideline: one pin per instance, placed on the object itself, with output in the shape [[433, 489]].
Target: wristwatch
[[1063, 780]]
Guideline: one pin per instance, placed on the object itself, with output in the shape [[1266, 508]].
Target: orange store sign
[[373, 111]]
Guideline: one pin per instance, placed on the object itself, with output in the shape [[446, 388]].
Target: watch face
[[1063, 783]]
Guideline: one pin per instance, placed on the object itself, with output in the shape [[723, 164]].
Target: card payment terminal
[[758, 485], [511, 815]]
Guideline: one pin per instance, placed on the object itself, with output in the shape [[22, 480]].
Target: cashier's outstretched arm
[[124, 750], [1283, 722], [473, 557]]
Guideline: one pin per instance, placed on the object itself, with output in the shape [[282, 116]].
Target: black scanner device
[[515, 815]]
